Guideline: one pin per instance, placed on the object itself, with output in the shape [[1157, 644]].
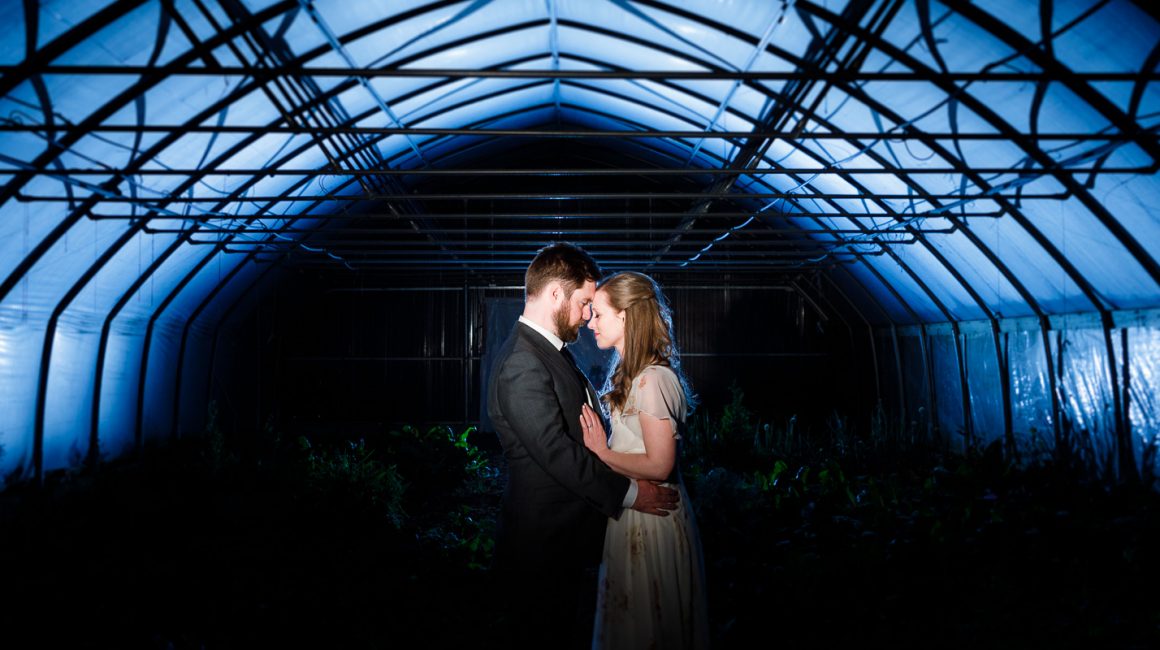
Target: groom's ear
[[555, 292]]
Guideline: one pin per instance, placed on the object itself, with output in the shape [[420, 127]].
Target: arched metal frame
[[870, 39]]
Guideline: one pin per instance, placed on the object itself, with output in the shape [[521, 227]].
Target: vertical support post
[[1066, 430], [1053, 386], [1002, 354], [1124, 456], [874, 359], [898, 369], [467, 341], [270, 415], [1126, 387], [38, 427], [928, 368], [960, 356], [258, 344]]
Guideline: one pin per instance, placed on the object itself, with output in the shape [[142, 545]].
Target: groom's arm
[[534, 415]]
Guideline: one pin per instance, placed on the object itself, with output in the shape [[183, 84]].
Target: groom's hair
[[568, 263]]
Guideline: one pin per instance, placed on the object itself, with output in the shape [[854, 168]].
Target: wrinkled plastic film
[[1088, 415], [1031, 419], [947, 386], [914, 376], [1144, 396], [986, 392]]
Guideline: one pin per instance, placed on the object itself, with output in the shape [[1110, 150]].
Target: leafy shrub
[[349, 473], [454, 488], [466, 534], [442, 459], [735, 438]]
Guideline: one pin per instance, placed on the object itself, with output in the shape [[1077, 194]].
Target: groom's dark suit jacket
[[559, 495]]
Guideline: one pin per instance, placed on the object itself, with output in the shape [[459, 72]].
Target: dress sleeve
[[659, 394]]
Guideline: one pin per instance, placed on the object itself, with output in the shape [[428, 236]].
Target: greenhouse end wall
[[1037, 390]]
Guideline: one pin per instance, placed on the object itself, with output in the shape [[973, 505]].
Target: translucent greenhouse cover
[[944, 198]]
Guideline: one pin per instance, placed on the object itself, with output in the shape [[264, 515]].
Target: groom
[[559, 496]]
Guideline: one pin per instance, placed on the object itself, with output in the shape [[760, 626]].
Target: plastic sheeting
[[1078, 371], [1086, 392], [915, 384], [1144, 401], [93, 307], [1031, 410], [948, 388]]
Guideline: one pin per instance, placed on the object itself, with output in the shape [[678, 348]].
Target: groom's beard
[[565, 330]]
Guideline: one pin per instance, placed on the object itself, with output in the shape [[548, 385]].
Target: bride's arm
[[660, 447]]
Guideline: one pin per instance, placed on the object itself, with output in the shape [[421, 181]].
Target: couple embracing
[[597, 546]]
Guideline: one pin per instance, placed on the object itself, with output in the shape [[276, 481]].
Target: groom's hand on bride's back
[[655, 499]]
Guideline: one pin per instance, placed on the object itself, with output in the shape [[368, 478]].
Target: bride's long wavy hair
[[648, 335]]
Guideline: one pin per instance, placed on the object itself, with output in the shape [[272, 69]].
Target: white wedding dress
[[651, 592]]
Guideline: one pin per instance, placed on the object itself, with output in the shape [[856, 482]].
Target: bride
[[651, 592]]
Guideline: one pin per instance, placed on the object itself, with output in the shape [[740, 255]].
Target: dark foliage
[[813, 537], [821, 538], [207, 543]]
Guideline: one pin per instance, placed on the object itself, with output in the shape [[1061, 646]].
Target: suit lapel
[[555, 358], [589, 392]]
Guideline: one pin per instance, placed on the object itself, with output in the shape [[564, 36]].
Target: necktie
[[583, 379], [568, 355]]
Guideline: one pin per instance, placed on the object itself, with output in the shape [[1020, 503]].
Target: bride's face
[[607, 324]]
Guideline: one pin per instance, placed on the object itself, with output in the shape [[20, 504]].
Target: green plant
[[446, 459], [736, 437], [466, 534], [736, 417], [350, 473], [455, 486]]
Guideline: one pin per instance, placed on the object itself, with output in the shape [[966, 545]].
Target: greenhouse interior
[[259, 260]]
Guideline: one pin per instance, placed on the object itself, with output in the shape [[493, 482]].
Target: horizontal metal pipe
[[554, 133], [520, 287], [647, 258], [459, 359], [588, 171], [550, 196], [575, 216], [521, 266], [390, 245], [684, 355], [757, 231], [461, 73]]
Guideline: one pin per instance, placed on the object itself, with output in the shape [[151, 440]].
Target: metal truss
[[847, 76], [541, 133], [563, 171]]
